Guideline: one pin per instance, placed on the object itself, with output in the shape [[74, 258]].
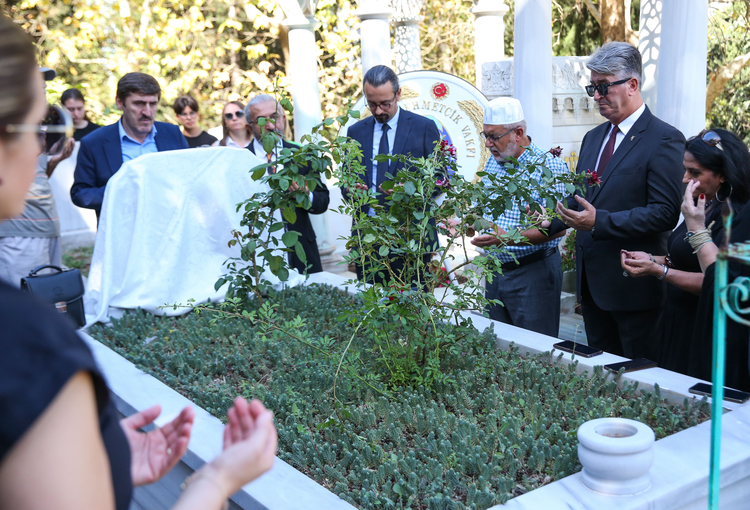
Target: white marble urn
[[616, 455]]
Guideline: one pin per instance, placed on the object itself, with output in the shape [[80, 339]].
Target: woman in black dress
[[714, 171], [61, 445], [72, 100]]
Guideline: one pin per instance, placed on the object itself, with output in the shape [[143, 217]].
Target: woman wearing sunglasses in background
[[717, 168], [237, 132], [61, 445]]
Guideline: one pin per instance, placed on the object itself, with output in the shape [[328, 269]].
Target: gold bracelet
[[198, 475]]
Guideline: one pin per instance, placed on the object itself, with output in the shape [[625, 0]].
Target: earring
[[731, 189]]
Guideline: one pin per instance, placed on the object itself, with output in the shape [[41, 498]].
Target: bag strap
[[37, 269]]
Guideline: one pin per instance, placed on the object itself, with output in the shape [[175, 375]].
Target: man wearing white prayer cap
[[530, 285]]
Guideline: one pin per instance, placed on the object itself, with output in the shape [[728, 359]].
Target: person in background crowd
[[714, 171], [186, 109], [72, 100], [531, 283], [103, 152], [32, 239], [632, 200], [265, 106], [237, 133], [61, 445]]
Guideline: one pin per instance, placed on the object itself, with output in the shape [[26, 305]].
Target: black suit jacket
[[637, 206], [415, 136], [303, 224]]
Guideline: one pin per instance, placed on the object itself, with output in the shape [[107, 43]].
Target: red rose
[[593, 178], [556, 152]]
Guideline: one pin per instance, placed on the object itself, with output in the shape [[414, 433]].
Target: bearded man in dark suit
[[389, 130], [637, 160], [265, 106]]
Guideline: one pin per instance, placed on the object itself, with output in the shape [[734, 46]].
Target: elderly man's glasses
[[711, 138], [603, 88], [53, 131], [239, 114], [493, 138], [384, 105]]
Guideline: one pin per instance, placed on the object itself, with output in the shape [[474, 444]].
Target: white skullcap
[[503, 111]]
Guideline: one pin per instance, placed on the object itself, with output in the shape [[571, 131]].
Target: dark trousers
[[530, 295], [631, 334]]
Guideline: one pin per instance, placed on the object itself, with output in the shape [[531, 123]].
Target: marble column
[[303, 71], [681, 89], [532, 63], [649, 40], [489, 34], [375, 33]]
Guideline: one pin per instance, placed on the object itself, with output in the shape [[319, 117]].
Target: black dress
[[39, 353], [701, 349], [677, 321]]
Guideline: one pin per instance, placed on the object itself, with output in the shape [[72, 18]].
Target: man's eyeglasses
[[269, 118], [493, 138], [603, 88], [53, 131], [384, 105], [239, 115], [711, 138], [190, 114]]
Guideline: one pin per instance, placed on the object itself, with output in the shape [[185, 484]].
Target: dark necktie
[[383, 148], [609, 149]]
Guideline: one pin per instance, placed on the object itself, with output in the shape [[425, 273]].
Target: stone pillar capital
[[490, 8], [301, 22], [374, 10], [404, 22]]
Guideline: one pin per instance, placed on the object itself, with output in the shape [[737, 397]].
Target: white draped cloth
[[164, 230]]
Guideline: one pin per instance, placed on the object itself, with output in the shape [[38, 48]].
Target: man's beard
[[510, 150]]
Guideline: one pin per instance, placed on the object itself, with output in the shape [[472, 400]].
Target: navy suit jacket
[[100, 156], [303, 225], [415, 136], [637, 206]]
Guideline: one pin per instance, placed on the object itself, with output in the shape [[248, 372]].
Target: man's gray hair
[[259, 99], [619, 59], [380, 75], [516, 125]]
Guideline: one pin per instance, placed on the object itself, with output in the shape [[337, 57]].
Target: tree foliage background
[[222, 50]]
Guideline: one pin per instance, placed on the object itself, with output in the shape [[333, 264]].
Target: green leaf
[[289, 214], [219, 283], [300, 251], [512, 187], [383, 251], [418, 215], [276, 227], [282, 273], [369, 238], [328, 122], [290, 238], [410, 188], [570, 187], [259, 173]]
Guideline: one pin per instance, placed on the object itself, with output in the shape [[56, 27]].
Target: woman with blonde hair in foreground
[[61, 445]]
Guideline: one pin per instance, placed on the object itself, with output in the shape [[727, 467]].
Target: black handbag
[[63, 289]]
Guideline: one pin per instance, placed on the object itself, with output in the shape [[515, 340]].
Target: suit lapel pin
[[632, 138]]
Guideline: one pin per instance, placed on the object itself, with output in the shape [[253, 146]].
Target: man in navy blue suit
[[390, 130], [637, 160], [103, 151]]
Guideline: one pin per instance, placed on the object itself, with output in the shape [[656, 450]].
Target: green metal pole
[[717, 390]]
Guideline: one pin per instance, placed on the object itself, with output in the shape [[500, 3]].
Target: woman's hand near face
[[695, 214]]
